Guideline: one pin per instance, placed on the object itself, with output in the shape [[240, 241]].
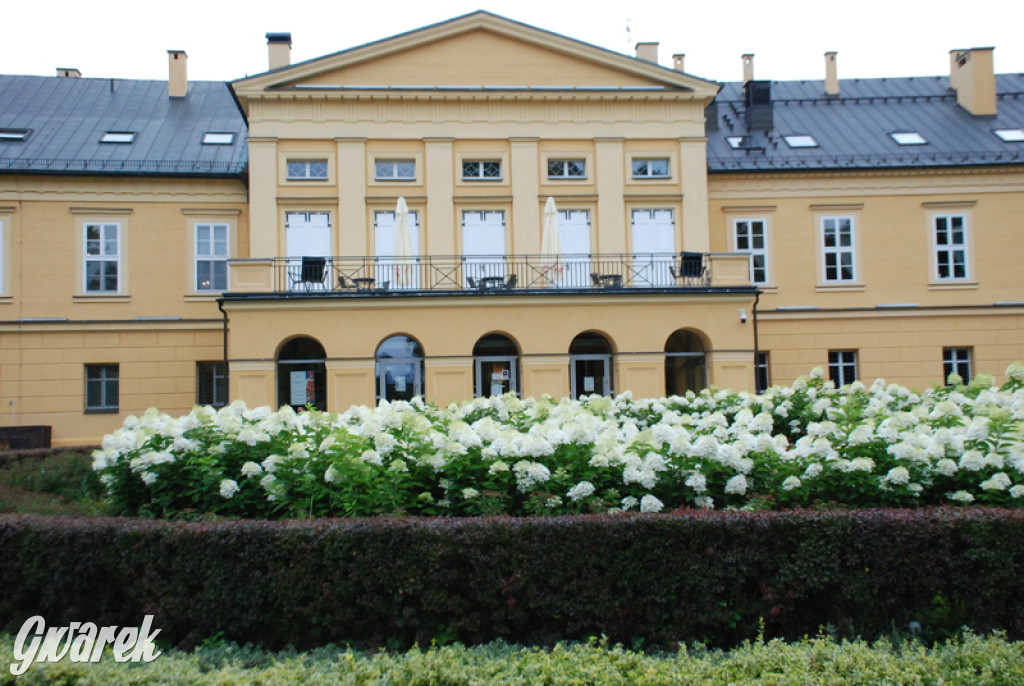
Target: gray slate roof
[[66, 117], [852, 129]]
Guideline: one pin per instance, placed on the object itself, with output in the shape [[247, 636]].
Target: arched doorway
[[590, 365], [495, 366], [302, 374], [399, 369], [685, 363]]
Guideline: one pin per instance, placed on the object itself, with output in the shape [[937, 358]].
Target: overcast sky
[[226, 40]]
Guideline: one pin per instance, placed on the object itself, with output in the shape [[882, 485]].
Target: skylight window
[[118, 137], [13, 135], [908, 138], [801, 141], [213, 138], [739, 142], [1010, 135]]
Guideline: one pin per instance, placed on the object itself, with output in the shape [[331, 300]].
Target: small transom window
[[567, 169], [1010, 135], [395, 170], [214, 138], [488, 170], [118, 137], [908, 138], [307, 169], [801, 141], [650, 169]]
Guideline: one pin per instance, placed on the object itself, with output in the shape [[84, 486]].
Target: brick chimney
[[279, 49], [647, 52], [972, 76], [831, 74], [177, 75], [748, 67], [68, 73]]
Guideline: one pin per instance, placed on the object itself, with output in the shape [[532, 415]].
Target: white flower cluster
[[802, 444]]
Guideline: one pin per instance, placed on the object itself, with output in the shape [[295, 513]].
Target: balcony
[[488, 274]]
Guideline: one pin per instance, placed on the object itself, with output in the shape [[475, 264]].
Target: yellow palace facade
[[482, 207]]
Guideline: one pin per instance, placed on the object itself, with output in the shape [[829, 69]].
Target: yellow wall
[[156, 328]]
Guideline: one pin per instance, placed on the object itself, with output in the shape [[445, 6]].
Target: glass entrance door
[[590, 374], [399, 378], [495, 376]]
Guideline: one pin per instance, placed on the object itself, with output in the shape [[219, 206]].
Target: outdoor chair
[[691, 268], [309, 274]]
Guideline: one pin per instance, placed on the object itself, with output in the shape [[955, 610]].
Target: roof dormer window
[[215, 138], [802, 140], [11, 135], [118, 137], [908, 138], [1010, 135]]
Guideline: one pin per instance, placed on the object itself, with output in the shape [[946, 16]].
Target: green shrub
[[641, 580], [970, 661]]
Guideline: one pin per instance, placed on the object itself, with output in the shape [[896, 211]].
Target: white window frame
[[481, 168], [833, 224], [743, 231], [213, 375], [564, 163], [944, 254], [842, 367], [762, 371], [102, 256], [103, 380], [211, 257], [957, 360], [307, 168], [649, 162]]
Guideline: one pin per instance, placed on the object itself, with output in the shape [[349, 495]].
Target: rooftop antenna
[[629, 39]]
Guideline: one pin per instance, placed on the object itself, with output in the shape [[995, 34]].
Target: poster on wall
[[588, 384], [303, 388]]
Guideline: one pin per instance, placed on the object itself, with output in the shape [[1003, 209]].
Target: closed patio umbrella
[[403, 244], [550, 247]]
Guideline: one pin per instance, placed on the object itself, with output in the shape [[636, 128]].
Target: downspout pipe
[[227, 368], [757, 350]]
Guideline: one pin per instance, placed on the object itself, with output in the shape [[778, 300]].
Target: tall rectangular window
[[956, 361], [837, 241], [212, 384], [211, 257], [950, 247], [762, 375], [750, 238], [101, 388], [102, 258], [842, 367]]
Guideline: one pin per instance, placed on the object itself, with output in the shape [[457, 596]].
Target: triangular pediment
[[479, 50]]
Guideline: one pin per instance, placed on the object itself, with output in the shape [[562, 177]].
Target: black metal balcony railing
[[491, 273]]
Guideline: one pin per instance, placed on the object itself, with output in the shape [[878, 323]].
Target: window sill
[[111, 410], [100, 298], [839, 287], [952, 285]]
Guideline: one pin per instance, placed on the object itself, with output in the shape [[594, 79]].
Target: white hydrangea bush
[[805, 445]]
